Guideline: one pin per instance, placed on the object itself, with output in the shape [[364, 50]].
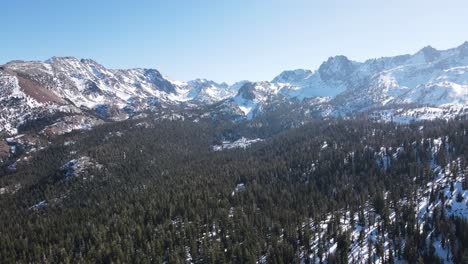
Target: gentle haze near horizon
[[226, 40]]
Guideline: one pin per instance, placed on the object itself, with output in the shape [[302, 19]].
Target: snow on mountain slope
[[448, 86], [253, 95], [18, 105], [403, 114], [328, 81], [206, 91], [294, 77], [428, 77], [240, 143], [88, 83], [444, 194], [67, 83]]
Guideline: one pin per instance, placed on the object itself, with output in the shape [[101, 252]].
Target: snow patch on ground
[[79, 167], [240, 143]]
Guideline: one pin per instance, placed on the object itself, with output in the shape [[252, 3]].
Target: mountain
[[329, 80], [428, 78], [205, 91], [253, 172], [70, 93], [426, 85], [253, 95], [70, 86]]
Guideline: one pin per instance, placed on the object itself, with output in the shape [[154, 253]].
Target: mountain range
[[67, 93]]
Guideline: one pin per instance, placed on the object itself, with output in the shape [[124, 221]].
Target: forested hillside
[[154, 191]]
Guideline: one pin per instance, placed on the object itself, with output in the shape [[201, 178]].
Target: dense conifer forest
[[146, 191]]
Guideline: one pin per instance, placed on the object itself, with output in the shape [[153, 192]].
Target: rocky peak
[[247, 91], [429, 54], [338, 67], [207, 83], [292, 77], [463, 48]]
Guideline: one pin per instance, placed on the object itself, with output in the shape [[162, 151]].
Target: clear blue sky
[[226, 40]]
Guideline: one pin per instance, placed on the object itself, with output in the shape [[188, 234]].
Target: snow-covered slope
[[426, 85], [428, 78], [332, 78], [444, 193], [87, 83], [203, 91], [19, 104], [253, 95], [69, 85]]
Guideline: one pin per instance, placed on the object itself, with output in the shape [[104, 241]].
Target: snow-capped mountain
[[69, 85], [428, 84], [427, 78], [329, 80], [87, 83], [203, 91], [253, 95]]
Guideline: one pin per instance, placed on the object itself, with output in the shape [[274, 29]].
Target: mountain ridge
[[343, 87]]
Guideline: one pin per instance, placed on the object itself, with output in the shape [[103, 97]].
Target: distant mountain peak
[[429, 53], [429, 47], [291, 76], [61, 58], [463, 48], [90, 62], [337, 67], [205, 82], [247, 91]]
